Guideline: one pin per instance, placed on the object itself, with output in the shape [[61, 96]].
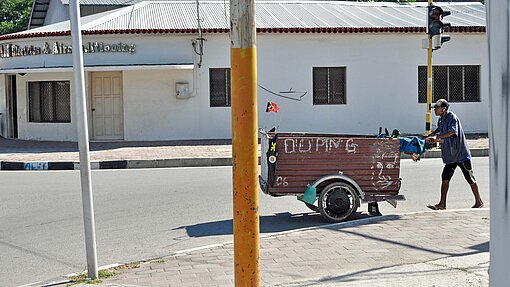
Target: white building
[[361, 65]]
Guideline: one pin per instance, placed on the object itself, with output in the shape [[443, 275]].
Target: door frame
[[92, 105], [11, 110]]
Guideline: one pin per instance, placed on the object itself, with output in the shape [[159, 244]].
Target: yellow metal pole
[[245, 143], [428, 114], [245, 167]]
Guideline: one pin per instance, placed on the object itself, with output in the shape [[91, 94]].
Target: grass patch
[[158, 261], [105, 274], [102, 274], [82, 278]]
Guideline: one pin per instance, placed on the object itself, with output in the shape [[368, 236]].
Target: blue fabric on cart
[[412, 145]]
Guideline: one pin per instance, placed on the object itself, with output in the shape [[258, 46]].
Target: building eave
[[282, 30], [98, 68]]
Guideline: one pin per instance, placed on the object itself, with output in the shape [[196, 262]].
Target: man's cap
[[441, 103]]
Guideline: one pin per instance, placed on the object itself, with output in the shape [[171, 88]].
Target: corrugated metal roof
[[110, 2], [273, 16]]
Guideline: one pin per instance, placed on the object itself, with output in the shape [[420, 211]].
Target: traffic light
[[435, 16]]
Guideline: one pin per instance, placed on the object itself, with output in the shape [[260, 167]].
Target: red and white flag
[[272, 107]]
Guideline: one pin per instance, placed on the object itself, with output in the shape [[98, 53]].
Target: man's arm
[[436, 131], [439, 138], [446, 135], [430, 138]]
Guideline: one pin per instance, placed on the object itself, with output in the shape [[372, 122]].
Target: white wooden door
[[107, 110]]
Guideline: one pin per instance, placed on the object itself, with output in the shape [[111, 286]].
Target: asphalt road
[[148, 213]]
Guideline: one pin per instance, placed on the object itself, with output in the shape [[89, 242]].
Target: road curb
[[164, 163], [180, 162]]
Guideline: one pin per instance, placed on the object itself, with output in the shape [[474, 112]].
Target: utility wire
[[282, 96], [200, 39]]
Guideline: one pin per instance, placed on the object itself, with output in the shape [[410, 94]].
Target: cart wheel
[[338, 201], [312, 207]]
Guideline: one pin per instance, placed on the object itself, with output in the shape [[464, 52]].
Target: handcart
[[331, 173]]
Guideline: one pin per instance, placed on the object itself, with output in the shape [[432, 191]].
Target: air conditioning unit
[[182, 90]]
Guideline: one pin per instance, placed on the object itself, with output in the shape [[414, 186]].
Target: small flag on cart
[[272, 107]]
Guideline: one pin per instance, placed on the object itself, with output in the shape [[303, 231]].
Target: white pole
[[499, 131], [83, 137]]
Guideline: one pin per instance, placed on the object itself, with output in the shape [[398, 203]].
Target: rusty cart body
[[338, 172]]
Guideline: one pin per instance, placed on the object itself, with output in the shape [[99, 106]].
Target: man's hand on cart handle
[[439, 138], [433, 139]]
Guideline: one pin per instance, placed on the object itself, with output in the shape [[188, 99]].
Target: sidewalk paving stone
[[400, 254]]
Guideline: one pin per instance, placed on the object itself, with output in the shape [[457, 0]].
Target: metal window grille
[[453, 83], [49, 102], [328, 85], [219, 87]]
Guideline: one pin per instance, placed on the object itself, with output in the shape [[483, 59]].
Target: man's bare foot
[[478, 205], [436, 207]]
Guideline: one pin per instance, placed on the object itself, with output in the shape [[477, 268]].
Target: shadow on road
[[277, 222]]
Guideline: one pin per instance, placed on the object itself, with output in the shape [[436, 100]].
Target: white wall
[[382, 87], [151, 109], [43, 131], [382, 81], [382, 84]]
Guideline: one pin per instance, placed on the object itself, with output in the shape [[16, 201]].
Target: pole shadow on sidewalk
[[382, 275], [484, 247]]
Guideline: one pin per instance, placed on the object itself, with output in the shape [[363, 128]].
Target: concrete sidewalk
[[436, 248], [42, 155]]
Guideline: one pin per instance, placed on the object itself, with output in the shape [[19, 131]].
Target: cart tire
[[312, 207], [338, 201]]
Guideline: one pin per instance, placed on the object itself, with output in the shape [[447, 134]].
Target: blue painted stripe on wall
[[36, 165]]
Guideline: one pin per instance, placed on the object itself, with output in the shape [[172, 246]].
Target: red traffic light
[[437, 13], [434, 16]]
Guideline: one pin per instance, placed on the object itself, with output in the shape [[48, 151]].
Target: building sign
[[56, 48]]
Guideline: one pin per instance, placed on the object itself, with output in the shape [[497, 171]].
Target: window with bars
[[219, 87], [49, 102], [453, 83], [329, 85]]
